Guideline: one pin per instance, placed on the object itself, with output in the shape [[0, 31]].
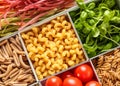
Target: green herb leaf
[[95, 32]]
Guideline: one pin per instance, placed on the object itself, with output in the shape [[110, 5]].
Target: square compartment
[[15, 68], [52, 45], [95, 40], [107, 67], [70, 72]]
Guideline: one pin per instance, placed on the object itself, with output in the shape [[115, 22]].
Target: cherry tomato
[[72, 81], [53, 81], [84, 72], [92, 83], [66, 75]]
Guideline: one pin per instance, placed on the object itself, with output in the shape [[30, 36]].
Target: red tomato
[[66, 75], [72, 81], [53, 81], [84, 72], [93, 83]]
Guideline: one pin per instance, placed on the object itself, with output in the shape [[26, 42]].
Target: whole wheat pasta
[[2, 69], [16, 59], [9, 68], [20, 72], [17, 40], [12, 40], [19, 84], [108, 68], [28, 71], [23, 77], [2, 59], [16, 49], [3, 42], [13, 64], [6, 62], [22, 62], [4, 66], [8, 52], [5, 51], [10, 73], [9, 48], [14, 78], [29, 79], [3, 54], [14, 74]]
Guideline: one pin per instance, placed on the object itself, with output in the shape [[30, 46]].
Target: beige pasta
[[13, 63], [108, 68], [3, 42]]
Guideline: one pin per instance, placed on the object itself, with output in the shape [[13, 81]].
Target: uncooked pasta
[[108, 68]]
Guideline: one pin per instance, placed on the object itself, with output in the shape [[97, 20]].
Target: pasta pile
[[14, 67], [108, 68], [53, 47]]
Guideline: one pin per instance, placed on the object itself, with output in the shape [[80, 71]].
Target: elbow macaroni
[[53, 47]]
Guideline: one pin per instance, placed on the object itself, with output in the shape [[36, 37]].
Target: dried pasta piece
[[3, 42], [9, 68]]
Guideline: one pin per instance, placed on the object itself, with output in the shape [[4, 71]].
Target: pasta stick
[[9, 68], [22, 63], [28, 71], [29, 79], [4, 66], [6, 62], [23, 77], [3, 42], [11, 58], [9, 48], [14, 74], [7, 82], [17, 40], [13, 64], [11, 72], [6, 47], [16, 59], [12, 40], [17, 84], [5, 52], [14, 48], [2, 69], [2, 59]]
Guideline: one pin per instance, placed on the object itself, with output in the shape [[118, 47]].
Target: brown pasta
[[108, 68], [3, 42], [13, 64], [12, 40], [22, 63]]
